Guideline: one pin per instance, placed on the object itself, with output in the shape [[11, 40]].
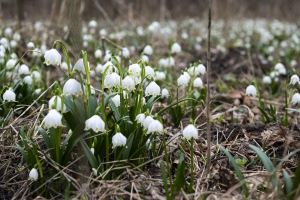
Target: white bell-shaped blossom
[[198, 83], [145, 58], [251, 91], [188, 77], [152, 89], [295, 98], [165, 93], [190, 131], [148, 50], [119, 140], [36, 75], [10, 63], [33, 174], [28, 80], [280, 68], [4, 42], [9, 95], [13, 44], [64, 66], [147, 122], [155, 126], [79, 66], [294, 79], [182, 80], [159, 76], [267, 80], [14, 56], [38, 91], [137, 79], [176, 48], [95, 123], [102, 32], [116, 100], [7, 31], [201, 69], [30, 45], [72, 87], [93, 150], [17, 36], [170, 61], [163, 62], [140, 118], [128, 83], [149, 72], [23, 69], [98, 53], [125, 52], [53, 119], [110, 68], [112, 80], [134, 69], [93, 24], [56, 103], [99, 68], [52, 57]]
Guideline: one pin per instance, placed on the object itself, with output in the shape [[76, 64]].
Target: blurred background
[[141, 11]]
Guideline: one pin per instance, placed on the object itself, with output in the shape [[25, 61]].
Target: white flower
[[53, 119], [193, 71], [152, 89], [187, 76], [294, 79], [95, 172], [128, 83], [198, 83], [182, 80], [145, 58], [267, 80], [9, 95], [251, 90], [33, 174], [135, 70], [98, 53], [36, 75], [72, 87], [110, 68], [147, 121], [155, 126], [293, 63], [56, 103], [112, 80], [201, 69], [13, 44], [116, 100], [170, 61], [159, 76], [99, 68], [38, 91], [190, 131], [17, 36], [163, 62], [137, 79], [119, 140], [280, 68], [125, 52], [64, 66], [296, 98], [24, 69], [148, 50], [30, 45], [28, 80], [149, 72], [11, 63], [93, 24], [79, 66], [7, 31], [103, 32], [165, 93], [14, 56], [52, 57], [95, 123], [140, 118], [274, 74], [176, 48], [93, 150]]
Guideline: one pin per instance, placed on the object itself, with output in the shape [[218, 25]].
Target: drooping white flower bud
[[251, 91], [267, 80], [155, 126], [148, 50], [33, 174], [11, 63], [147, 121], [28, 80], [140, 118], [52, 57], [198, 83], [53, 119], [119, 140], [190, 131], [24, 69], [72, 87], [134, 69], [125, 52], [165, 93], [9, 95], [116, 100], [98, 53], [112, 80], [176, 48], [149, 72], [36, 75], [128, 83], [152, 89], [295, 98], [79, 66], [56, 103], [294, 79], [280, 68], [182, 80], [95, 123]]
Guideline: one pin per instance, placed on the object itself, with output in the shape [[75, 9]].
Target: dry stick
[[208, 92]]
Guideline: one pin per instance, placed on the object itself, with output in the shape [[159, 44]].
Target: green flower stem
[[103, 114], [192, 166], [58, 132], [87, 74], [168, 165]]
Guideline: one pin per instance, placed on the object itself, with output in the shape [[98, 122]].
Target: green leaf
[[87, 151], [163, 174], [236, 169], [287, 182], [180, 181], [92, 104], [296, 182]]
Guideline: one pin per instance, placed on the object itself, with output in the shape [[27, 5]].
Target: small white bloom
[[93, 24], [11, 63], [56, 103], [112, 80], [9, 95], [187, 76], [36, 75], [159, 76], [152, 89], [170, 61], [99, 68], [53, 119], [140, 118], [103, 32], [193, 71], [149, 72], [72, 87], [52, 57], [7, 31], [145, 58], [293, 63], [125, 52], [93, 150], [110, 68], [296, 98], [24, 69], [98, 53], [79, 66], [116, 100], [274, 74], [294, 79], [13, 44], [95, 123], [190, 131], [64, 66], [137, 79], [147, 121], [33, 174], [163, 62], [280, 68], [201, 69], [198, 83], [128, 83], [148, 50], [16, 36], [176, 48], [251, 90], [95, 172], [182, 80], [134, 70], [14, 56], [267, 80], [38, 91], [30, 45], [165, 93], [155, 126], [119, 140], [28, 80]]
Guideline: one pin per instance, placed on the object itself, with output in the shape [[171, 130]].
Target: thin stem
[[168, 166], [208, 92], [192, 165]]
